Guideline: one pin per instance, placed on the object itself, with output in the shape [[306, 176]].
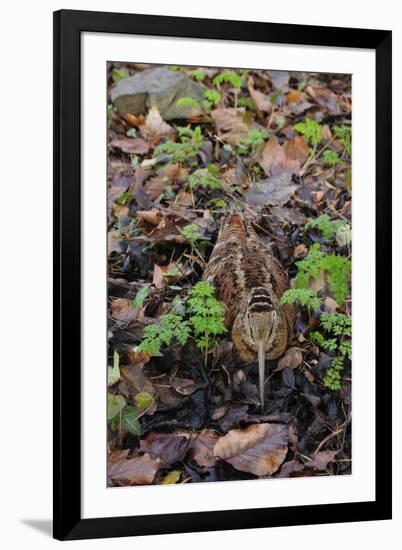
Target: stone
[[160, 88]]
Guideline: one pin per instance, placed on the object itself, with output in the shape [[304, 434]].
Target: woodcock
[[250, 281]]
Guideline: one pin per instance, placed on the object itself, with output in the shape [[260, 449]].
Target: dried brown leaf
[[113, 242], [140, 470], [122, 310], [137, 146], [292, 359], [262, 101], [258, 449], [202, 449], [275, 160], [158, 185], [230, 124], [155, 127]]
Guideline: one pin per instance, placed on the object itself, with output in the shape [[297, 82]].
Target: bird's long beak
[[261, 370]]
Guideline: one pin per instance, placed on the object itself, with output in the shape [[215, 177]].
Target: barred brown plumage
[[250, 281]]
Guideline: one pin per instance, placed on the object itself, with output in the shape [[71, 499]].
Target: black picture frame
[[68, 522]]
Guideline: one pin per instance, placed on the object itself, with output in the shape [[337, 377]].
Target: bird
[[249, 281]]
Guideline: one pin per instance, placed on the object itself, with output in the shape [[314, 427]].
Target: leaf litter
[[180, 417]]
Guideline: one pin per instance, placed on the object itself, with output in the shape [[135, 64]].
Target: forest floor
[[275, 146]]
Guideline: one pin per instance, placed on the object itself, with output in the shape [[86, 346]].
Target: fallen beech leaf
[[334, 104], [262, 101], [300, 251], [129, 145], [136, 380], [153, 216], [167, 177], [274, 159], [289, 468], [122, 310], [165, 274], [280, 79], [258, 449], [113, 242], [321, 459], [230, 124], [184, 386], [155, 127], [168, 447], [292, 359], [140, 470], [121, 213], [276, 191], [297, 149], [202, 449], [134, 120]]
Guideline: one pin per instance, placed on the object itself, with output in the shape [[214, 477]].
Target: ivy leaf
[[130, 421], [143, 400], [115, 404]]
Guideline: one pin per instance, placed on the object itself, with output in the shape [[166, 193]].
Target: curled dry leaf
[[258, 449], [129, 145], [202, 449], [292, 359], [262, 101], [140, 470], [155, 127], [165, 274], [153, 216], [184, 386], [230, 124], [334, 104]]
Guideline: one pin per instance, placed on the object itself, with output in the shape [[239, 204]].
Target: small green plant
[[205, 179], [305, 296], [343, 133], [336, 268], [187, 102], [334, 336], [328, 227], [331, 157], [311, 130], [169, 328], [190, 143], [252, 140], [123, 198], [191, 233], [212, 98], [246, 102], [219, 203], [206, 315], [118, 74], [141, 296], [228, 77], [198, 74]]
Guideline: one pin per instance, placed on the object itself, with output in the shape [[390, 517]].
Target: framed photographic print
[[222, 212]]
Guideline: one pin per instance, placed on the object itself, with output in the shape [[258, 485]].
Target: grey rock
[[160, 88]]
